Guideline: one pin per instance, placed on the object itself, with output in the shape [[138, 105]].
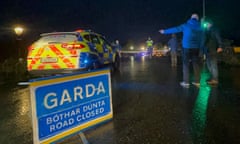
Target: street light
[[203, 20], [19, 31], [131, 47], [204, 9]]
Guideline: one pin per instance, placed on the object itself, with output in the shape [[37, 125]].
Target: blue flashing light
[[85, 61]]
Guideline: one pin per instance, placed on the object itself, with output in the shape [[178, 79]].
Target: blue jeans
[[212, 65], [191, 55]]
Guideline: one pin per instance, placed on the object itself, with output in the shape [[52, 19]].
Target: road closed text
[[77, 115], [73, 117]]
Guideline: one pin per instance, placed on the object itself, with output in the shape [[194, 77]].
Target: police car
[[64, 52]]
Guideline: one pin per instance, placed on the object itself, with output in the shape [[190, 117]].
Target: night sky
[[116, 19]]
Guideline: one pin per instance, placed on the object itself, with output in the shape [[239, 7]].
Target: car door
[[99, 47], [107, 49]]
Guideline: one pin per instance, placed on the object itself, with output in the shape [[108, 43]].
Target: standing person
[[173, 44], [117, 44], [118, 47], [191, 43], [149, 44], [213, 44]]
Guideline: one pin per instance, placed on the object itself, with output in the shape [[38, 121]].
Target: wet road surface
[[150, 107], [15, 119]]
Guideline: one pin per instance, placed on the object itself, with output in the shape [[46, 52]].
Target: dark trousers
[[173, 58], [212, 66], [150, 51], [191, 56]]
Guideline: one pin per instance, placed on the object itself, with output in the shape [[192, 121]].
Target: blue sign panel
[[63, 104]]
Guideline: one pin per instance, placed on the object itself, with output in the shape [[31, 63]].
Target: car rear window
[[61, 38]]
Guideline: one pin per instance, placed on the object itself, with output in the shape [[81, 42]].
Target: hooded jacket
[[212, 40], [192, 33]]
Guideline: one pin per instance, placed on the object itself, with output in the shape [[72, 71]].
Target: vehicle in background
[[66, 52], [236, 49], [161, 52]]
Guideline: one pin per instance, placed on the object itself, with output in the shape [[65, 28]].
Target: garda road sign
[[64, 105]]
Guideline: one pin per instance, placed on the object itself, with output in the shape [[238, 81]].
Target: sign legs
[[83, 138]]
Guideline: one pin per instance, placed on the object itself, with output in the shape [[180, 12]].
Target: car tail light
[[73, 46], [30, 48]]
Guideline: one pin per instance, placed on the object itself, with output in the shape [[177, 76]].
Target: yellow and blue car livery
[[64, 52]]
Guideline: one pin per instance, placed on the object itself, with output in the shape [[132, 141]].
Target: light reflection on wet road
[[15, 122], [149, 108]]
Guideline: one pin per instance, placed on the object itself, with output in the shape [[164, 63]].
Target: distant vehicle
[[236, 49], [127, 53], [65, 52], [160, 52]]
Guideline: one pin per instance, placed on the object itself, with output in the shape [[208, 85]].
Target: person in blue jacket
[[191, 43]]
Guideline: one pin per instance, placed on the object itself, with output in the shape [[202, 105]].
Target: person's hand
[[161, 31], [219, 50]]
